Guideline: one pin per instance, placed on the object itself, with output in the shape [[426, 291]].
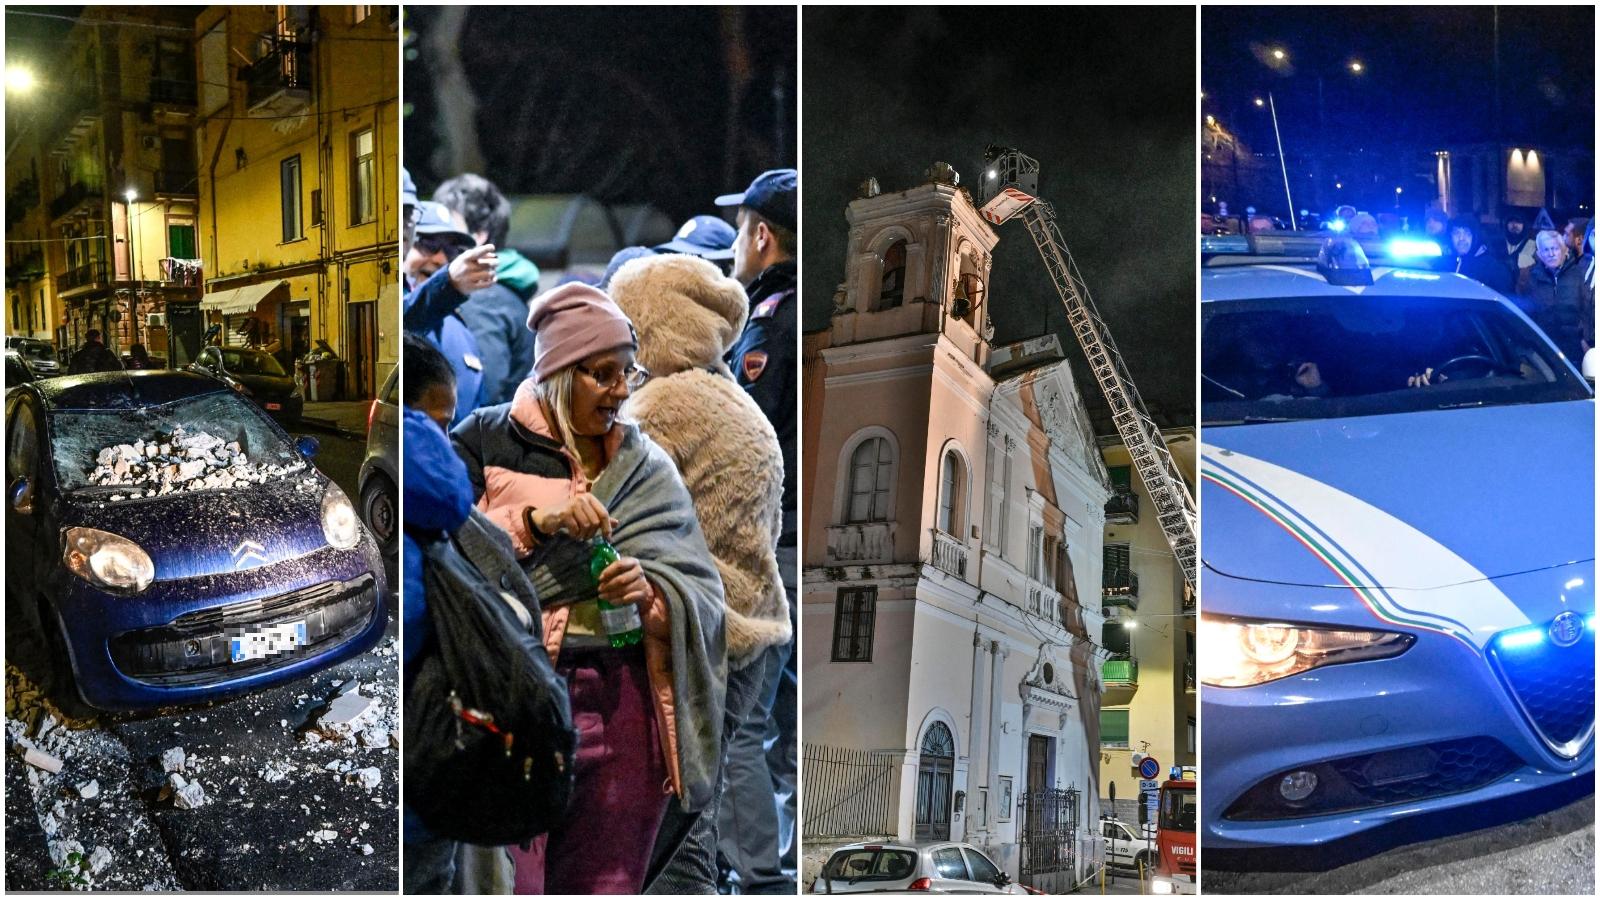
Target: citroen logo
[[247, 553], [1565, 629]]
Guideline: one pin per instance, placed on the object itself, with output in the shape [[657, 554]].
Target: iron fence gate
[[848, 792], [1048, 836]]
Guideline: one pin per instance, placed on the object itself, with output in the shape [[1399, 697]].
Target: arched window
[[892, 291], [938, 741], [952, 487], [935, 775], [871, 470]]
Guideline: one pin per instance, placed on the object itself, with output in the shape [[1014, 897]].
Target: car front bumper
[[169, 645], [1434, 729]]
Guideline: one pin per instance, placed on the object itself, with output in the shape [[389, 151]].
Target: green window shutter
[[1114, 726], [180, 241]]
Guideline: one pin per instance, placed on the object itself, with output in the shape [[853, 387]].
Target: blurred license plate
[[268, 640], [274, 406]]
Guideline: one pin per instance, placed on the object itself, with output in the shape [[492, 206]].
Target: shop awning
[[239, 301]]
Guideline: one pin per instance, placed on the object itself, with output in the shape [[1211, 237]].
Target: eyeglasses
[[606, 379], [428, 245]]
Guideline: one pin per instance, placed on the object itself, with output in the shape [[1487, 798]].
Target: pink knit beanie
[[572, 322]]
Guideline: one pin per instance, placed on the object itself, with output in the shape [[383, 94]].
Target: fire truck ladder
[[1010, 186]]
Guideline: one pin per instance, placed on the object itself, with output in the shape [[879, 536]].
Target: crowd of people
[[630, 445]]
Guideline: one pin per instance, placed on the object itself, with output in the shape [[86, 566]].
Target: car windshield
[[1329, 357], [198, 443], [1177, 809], [37, 350], [250, 362], [870, 864]]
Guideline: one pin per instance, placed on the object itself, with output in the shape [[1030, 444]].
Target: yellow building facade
[[1148, 709], [297, 140]]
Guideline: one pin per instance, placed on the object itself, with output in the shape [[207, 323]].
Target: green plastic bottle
[[622, 623]]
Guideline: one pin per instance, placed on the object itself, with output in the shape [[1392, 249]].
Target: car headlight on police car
[[1242, 652], [107, 560], [339, 522]]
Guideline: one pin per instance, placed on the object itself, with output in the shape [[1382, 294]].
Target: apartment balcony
[[279, 83], [949, 554], [1119, 587], [77, 197], [25, 267], [1120, 675], [1122, 509], [182, 184], [861, 543], [88, 275], [21, 200], [77, 107], [1044, 602]]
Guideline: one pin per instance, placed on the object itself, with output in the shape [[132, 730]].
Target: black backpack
[[489, 741]]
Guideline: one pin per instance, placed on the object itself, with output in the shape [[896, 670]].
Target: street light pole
[[133, 266], [1283, 164]]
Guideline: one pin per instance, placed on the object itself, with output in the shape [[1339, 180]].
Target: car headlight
[[1240, 652], [108, 560], [339, 522]]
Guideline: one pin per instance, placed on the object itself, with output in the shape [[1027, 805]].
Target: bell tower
[[918, 263]]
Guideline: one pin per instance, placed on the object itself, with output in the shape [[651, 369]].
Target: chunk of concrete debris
[[172, 759], [175, 782], [374, 738], [276, 770], [60, 850], [190, 796], [347, 715], [368, 778], [325, 836], [90, 789], [366, 849], [99, 860], [42, 760]]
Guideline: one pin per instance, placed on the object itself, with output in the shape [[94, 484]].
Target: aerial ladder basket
[[1011, 187]]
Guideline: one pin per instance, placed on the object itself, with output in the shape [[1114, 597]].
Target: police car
[[1398, 537]]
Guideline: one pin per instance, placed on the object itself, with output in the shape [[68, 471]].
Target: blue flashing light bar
[[1521, 638], [1337, 226], [1411, 248]]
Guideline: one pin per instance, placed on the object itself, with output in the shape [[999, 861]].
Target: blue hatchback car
[[1398, 597], [171, 544]]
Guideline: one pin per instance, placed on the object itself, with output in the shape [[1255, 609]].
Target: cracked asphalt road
[[283, 813]]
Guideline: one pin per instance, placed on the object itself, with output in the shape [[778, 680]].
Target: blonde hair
[[556, 392]]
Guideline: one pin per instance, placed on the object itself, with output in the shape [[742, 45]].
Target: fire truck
[[1175, 818]]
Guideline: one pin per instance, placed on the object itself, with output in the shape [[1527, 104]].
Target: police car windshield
[[1329, 357]]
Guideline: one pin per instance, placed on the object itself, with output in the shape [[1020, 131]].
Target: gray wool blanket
[[641, 489]]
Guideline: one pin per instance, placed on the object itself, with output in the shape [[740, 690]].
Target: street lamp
[[1260, 102], [133, 256], [1357, 67], [19, 79], [1278, 54]]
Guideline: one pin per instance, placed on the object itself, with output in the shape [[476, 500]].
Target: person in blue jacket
[[445, 279], [437, 500]]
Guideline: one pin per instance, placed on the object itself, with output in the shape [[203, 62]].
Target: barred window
[[853, 615]]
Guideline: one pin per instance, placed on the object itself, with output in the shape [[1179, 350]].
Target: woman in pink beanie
[[558, 469]]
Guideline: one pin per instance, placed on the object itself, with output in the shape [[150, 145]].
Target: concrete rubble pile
[[179, 462]]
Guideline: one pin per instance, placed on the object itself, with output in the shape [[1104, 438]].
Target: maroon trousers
[[604, 845]]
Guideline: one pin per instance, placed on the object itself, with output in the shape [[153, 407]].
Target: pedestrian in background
[[1471, 257], [1552, 293], [757, 822], [557, 469], [497, 314], [93, 356], [445, 268], [688, 315]]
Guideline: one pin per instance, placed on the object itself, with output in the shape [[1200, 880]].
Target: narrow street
[[287, 806]]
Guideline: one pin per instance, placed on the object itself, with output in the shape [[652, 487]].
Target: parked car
[[1398, 484], [950, 867], [1129, 845], [168, 543], [17, 371], [39, 354], [380, 470], [257, 375]]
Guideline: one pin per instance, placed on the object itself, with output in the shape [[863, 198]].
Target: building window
[[871, 470], [360, 12], [1117, 565], [952, 484], [1113, 728], [289, 190], [1121, 479], [1115, 638], [180, 241], [1005, 504], [892, 291], [361, 188], [1191, 734], [1036, 552], [853, 614]]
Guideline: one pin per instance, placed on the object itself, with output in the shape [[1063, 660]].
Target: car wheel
[[380, 511], [1144, 861]]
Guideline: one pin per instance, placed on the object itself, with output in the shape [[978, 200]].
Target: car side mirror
[[1003, 879], [307, 445], [20, 495]]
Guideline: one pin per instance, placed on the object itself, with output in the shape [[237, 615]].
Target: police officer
[[765, 261]]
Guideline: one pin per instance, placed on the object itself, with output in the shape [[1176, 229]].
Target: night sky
[[1104, 98], [629, 104]]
